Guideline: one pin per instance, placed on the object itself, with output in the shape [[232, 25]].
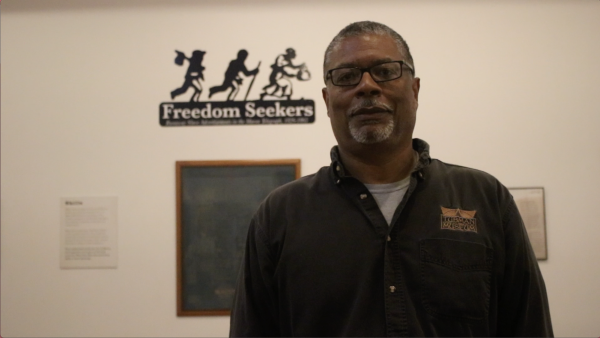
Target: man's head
[[198, 54], [242, 54], [379, 109], [290, 53], [367, 27]]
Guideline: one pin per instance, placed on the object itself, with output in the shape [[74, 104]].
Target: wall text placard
[[88, 232]]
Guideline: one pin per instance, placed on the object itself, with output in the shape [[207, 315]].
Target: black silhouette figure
[[279, 84], [193, 74], [232, 79]]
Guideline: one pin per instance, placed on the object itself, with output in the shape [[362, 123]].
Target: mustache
[[369, 104]]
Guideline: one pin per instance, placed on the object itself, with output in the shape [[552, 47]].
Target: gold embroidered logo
[[461, 220]]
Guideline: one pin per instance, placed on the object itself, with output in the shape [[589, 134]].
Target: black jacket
[[321, 260]]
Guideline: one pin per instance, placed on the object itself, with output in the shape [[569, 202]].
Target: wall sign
[[531, 205], [88, 232], [225, 105]]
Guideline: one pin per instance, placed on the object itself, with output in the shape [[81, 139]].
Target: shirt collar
[[420, 146]]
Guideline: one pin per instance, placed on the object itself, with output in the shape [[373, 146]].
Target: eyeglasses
[[351, 76]]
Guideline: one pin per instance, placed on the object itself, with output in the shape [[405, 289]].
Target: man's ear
[[416, 86], [326, 98]]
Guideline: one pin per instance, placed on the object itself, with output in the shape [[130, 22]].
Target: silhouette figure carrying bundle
[[280, 85], [192, 76]]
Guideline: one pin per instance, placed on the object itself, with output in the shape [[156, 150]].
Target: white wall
[[509, 87]]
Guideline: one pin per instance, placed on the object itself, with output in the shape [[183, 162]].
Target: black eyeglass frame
[[368, 69]]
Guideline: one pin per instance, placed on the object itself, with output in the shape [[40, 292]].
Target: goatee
[[374, 134], [379, 134]]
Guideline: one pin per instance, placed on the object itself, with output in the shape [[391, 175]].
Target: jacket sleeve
[[523, 304], [254, 306]]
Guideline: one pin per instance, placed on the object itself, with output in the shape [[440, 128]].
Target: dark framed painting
[[215, 203], [531, 205]]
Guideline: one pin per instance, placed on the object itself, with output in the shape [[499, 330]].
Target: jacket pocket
[[455, 278]]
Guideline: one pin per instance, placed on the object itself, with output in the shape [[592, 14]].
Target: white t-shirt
[[388, 196]]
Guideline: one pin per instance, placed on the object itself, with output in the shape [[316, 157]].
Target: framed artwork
[[215, 203], [531, 205]]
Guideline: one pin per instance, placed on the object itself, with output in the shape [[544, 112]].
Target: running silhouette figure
[[193, 74], [283, 69], [232, 79]]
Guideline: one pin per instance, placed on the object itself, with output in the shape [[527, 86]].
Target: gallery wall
[[508, 87]]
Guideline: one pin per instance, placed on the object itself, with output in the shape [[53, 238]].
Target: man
[[232, 76], [279, 85], [386, 241], [192, 76]]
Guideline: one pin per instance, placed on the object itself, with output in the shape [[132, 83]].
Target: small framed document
[[88, 232], [530, 202], [215, 204]]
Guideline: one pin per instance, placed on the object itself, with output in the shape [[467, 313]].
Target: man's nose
[[367, 86]]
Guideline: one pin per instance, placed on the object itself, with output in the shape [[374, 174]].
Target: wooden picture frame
[[531, 205], [215, 203]]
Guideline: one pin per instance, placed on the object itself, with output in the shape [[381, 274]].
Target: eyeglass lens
[[380, 73]]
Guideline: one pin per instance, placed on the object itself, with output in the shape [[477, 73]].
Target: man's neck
[[379, 165]]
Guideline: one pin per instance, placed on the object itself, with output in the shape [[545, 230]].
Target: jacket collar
[[420, 146]]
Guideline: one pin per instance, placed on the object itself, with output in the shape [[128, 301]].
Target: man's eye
[[383, 72], [345, 76]]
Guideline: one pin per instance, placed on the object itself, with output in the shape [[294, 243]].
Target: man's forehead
[[365, 50]]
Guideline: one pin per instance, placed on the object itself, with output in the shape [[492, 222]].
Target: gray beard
[[365, 136]]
